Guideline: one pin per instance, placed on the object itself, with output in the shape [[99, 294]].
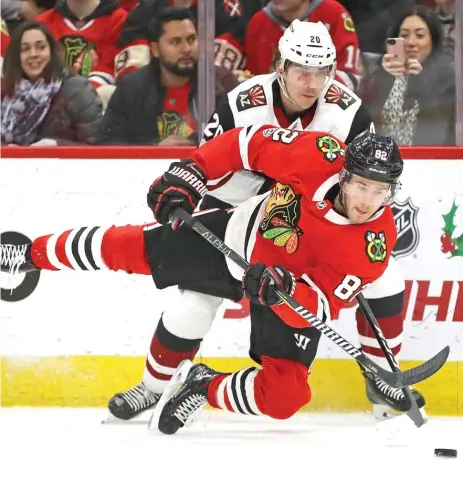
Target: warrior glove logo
[[376, 246], [406, 221]]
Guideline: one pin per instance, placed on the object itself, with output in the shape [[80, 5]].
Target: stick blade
[[419, 373]]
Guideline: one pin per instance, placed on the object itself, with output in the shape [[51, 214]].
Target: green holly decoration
[[451, 245]]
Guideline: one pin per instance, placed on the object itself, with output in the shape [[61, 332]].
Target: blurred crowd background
[[125, 72]]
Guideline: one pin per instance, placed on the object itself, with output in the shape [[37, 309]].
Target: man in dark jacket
[[158, 103], [230, 28]]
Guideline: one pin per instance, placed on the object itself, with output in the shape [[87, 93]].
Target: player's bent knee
[[123, 248], [284, 387], [189, 314]]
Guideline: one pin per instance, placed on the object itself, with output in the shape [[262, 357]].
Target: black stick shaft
[[414, 412]]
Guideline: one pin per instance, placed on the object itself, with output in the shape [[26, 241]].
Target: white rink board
[[115, 313]]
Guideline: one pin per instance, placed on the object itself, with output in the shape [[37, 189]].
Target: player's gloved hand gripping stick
[[398, 379]]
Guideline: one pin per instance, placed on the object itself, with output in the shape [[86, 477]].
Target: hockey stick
[[414, 413], [396, 379]]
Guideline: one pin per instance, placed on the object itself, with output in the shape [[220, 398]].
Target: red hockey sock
[[279, 390], [212, 391], [93, 248], [392, 328], [166, 353]]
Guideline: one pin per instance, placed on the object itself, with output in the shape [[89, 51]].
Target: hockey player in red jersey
[[325, 228], [88, 32], [230, 28], [266, 27], [279, 99]]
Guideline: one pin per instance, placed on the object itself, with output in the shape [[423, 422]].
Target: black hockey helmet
[[374, 157]]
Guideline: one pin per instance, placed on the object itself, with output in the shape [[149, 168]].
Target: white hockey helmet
[[308, 44]]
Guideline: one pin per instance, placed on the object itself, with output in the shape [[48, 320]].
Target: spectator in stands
[[15, 11], [158, 103], [415, 102], [267, 26], [445, 10], [87, 32], [230, 26], [43, 104], [373, 18]]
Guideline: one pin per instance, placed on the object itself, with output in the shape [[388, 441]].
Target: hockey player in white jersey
[[301, 94]]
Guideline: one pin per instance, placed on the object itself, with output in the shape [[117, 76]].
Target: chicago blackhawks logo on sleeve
[[281, 216], [376, 248], [330, 147], [348, 22]]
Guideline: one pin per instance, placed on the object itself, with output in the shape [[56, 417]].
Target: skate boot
[[133, 402], [188, 399], [16, 259], [387, 400]]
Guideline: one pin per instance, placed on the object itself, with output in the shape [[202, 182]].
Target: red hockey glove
[[183, 185], [259, 283]]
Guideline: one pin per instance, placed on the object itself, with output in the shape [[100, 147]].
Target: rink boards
[[74, 339]]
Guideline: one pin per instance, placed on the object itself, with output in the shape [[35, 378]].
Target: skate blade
[[141, 419], [175, 383]]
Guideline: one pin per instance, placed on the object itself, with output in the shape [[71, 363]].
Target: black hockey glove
[[259, 283], [183, 185]]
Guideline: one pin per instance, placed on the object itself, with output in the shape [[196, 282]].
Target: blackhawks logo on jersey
[[77, 54], [348, 22], [376, 248], [330, 147], [281, 216], [3, 27]]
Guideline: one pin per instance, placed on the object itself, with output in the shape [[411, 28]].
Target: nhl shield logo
[[406, 221]]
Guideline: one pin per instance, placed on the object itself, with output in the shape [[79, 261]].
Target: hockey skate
[[130, 404], [183, 399], [15, 259], [387, 401]]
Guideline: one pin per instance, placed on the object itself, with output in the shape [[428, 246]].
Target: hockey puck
[[452, 453]]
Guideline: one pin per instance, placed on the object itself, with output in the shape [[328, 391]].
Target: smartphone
[[396, 47]]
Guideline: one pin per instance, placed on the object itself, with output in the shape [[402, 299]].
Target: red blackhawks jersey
[[5, 40], [89, 46], [295, 224], [230, 26], [265, 29]]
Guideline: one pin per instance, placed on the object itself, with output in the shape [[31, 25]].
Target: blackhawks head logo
[[281, 216], [376, 246], [77, 54], [449, 243]]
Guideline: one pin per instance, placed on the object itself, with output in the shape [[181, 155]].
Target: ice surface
[[72, 445]]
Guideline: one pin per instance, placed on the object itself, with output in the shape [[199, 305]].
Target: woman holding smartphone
[[411, 95]]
